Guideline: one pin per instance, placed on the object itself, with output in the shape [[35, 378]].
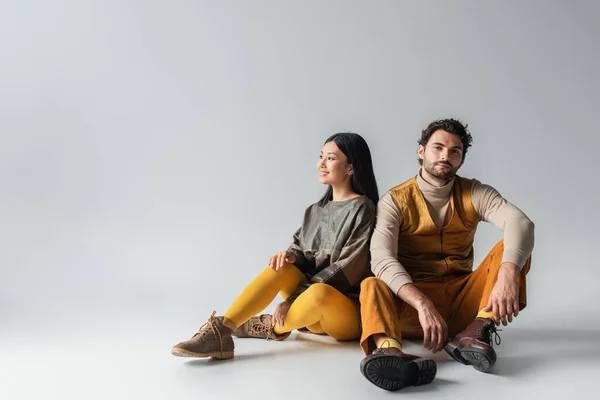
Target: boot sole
[[392, 373], [277, 338], [186, 353], [473, 356]]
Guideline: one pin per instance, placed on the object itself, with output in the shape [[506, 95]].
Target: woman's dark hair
[[449, 125], [357, 152]]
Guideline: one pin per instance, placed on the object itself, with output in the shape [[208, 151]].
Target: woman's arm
[[297, 250]]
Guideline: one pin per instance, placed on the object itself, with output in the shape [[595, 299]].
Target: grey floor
[[100, 354], [156, 153]]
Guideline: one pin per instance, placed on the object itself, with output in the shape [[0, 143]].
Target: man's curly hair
[[449, 125]]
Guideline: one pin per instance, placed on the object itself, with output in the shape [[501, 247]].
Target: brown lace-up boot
[[260, 327], [473, 346], [391, 369], [212, 340]]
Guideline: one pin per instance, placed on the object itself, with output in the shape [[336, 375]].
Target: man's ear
[[421, 151]]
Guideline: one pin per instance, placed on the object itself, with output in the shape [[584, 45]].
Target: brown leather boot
[[391, 369], [212, 340], [473, 346], [260, 327]]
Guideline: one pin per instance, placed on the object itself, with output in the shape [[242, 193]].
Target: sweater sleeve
[[384, 245], [297, 250], [517, 227]]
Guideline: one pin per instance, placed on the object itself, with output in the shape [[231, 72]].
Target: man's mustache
[[444, 162]]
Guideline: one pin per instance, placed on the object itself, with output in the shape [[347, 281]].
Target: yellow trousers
[[321, 308]]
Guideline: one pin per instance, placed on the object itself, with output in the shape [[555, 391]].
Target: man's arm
[[518, 244], [384, 245], [385, 266], [517, 227], [435, 329]]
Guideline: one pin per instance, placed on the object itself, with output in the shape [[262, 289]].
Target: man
[[422, 259]]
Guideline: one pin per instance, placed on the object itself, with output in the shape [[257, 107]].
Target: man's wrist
[[509, 270], [413, 296], [422, 303]]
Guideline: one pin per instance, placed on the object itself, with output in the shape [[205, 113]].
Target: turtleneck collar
[[436, 196]]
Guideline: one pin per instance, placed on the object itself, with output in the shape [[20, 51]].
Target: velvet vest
[[425, 250]]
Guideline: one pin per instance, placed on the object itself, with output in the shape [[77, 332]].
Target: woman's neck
[[343, 192]]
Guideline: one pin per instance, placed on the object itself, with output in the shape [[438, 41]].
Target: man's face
[[442, 155]]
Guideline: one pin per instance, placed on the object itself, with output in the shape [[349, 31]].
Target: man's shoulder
[[464, 179], [468, 183], [474, 184], [408, 184]]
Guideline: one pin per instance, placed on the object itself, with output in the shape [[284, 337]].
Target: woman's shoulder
[[355, 204], [364, 200], [366, 206], [358, 204]]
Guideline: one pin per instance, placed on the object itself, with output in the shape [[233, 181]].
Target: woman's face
[[333, 165]]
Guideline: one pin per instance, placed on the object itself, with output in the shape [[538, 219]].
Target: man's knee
[[526, 266], [371, 284]]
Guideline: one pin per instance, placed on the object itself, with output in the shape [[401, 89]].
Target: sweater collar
[[433, 194]]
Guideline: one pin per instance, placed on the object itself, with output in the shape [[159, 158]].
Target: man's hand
[[280, 312], [280, 259], [504, 299], [435, 330]]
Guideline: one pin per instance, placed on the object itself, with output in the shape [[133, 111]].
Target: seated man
[[422, 258]]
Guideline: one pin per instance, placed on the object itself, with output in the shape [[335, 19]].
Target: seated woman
[[320, 273]]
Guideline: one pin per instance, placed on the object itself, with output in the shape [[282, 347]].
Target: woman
[[319, 274]]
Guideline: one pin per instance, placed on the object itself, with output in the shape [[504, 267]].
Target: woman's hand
[[280, 312], [280, 259]]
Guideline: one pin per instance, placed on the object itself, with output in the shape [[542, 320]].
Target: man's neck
[[432, 180], [437, 199], [435, 195]]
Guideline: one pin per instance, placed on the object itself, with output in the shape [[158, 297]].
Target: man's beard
[[444, 175]]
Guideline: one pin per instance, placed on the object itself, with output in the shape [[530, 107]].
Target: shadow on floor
[[529, 350], [522, 352], [310, 343]]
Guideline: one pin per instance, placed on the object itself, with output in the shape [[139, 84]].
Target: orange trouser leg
[[457, 298], [473, 290], [384, 312], [379, 312]]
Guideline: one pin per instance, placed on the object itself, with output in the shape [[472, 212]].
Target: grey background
[[155, 154]]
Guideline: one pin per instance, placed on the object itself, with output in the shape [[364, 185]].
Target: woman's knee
[[284, 280], [289, 271], [318, 294]]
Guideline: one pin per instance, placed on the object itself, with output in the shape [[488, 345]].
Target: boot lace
[[211, 325], [490, 334], [259, 328]]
